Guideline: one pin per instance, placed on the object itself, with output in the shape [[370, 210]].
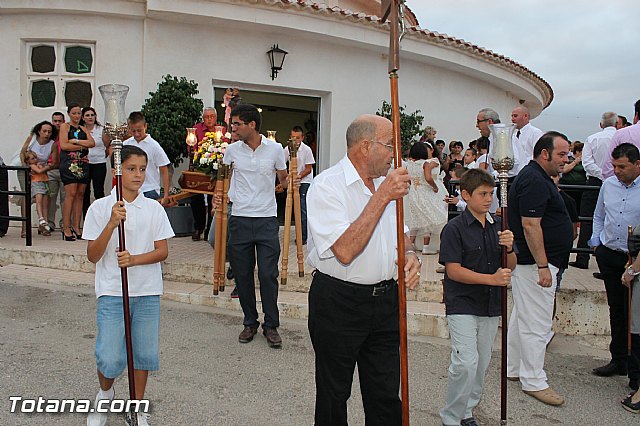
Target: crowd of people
[[349, 223], [544, 222]]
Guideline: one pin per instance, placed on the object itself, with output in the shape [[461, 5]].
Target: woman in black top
[[75, 141]]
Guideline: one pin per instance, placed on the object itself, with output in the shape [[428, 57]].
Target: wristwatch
[[631, 272]]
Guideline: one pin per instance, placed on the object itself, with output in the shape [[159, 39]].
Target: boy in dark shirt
[[471, 251]]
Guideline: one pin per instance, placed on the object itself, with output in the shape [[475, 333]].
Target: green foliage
[[409, 124], [169, 111]]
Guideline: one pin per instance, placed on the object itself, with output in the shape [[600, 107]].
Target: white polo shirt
[[335, 200], [253, 180], [146, 223], [156, 159], [304, 157]]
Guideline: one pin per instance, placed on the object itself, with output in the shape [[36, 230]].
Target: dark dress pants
[[587, 207], [304, 188], [201, 214], [4, 201], [98, 174], [248, 237], [349, 326], [611, 264]]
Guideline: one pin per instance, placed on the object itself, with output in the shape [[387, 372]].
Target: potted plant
[[409, 124], [169, 111]]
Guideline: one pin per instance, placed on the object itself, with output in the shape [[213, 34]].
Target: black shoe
[[469, 422], [234, 293], [578, 265], [229, 273], [247, 333], [630, 406], [633, 384], [598, 276], [611, 369], [196, 236]]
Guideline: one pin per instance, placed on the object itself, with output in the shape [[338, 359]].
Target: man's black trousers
[[348, 327]]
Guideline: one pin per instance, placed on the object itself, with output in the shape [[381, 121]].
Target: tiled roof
[[431, 37]]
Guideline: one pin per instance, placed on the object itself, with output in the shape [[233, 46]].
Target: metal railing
[[27, 200]]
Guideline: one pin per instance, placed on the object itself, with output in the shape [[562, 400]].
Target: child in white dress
[[425, 212]]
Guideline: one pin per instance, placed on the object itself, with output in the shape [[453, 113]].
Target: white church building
[[54, 52]]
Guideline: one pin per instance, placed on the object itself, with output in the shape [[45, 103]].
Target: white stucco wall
[[210, 42]]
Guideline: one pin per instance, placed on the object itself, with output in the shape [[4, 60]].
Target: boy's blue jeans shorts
[[111, 353]]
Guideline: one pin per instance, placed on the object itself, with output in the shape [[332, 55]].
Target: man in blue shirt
[[618, 207]]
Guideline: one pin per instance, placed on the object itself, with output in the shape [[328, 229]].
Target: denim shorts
[[39, 188], [111, 355]]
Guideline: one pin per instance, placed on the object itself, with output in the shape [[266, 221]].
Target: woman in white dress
[[426, 213]]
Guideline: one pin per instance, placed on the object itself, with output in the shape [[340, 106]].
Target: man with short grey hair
[[595, 154]]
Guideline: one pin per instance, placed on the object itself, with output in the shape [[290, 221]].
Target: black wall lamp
[[276, 58]]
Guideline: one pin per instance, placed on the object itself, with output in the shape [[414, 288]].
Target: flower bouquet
[[208, 157]]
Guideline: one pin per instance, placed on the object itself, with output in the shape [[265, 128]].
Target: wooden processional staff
[[220, 230], [116, 146], [293, 202], [394, 10]]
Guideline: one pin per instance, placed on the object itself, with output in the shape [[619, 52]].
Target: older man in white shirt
[[525, 137], [353, 300], [595, 154]]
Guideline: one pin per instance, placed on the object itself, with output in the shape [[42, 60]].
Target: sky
[[588, 51]]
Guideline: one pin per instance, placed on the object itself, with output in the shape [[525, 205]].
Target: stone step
[[582, 304], [423, 318], [430, 289]]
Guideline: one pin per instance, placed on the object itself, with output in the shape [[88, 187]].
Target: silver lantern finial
[[502, 155]]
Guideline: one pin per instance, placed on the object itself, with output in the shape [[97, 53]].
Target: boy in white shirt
[[157, 160], [147, 229]]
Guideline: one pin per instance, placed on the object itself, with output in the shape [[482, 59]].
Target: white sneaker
[[143, 419], [95, 418]]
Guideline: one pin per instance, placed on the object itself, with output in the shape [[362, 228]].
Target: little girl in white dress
[[425, 210]]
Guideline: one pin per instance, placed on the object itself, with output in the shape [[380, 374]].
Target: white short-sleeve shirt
[[335, 200], [98, 154], [304, 157], [146, 223], [156, 159], [253, 180]]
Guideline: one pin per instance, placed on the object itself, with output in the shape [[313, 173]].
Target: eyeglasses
[[480, 121], [237, 123], [386, 145]]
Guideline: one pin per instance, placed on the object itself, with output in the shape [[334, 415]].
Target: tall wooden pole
[[391, 9], [223, 238], [116, 145]]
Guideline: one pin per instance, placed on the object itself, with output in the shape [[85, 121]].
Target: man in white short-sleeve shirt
[[305, 164], [158, 162], [253, 226], [353, 300]]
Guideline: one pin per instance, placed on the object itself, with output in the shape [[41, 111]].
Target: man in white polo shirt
[[253, 226], [157, 166], [305, 173]]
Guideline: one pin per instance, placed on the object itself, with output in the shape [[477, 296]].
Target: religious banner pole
[[116, 146], [392, 9], [503, 160]]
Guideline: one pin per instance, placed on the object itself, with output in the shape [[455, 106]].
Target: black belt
[[374, 290]]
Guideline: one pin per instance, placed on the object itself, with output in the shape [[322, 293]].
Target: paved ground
[[47, 336]]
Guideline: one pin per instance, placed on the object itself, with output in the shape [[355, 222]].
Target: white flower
[[214, 166], [211, 148], [224, 145], [227, 135], [203, 161]]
